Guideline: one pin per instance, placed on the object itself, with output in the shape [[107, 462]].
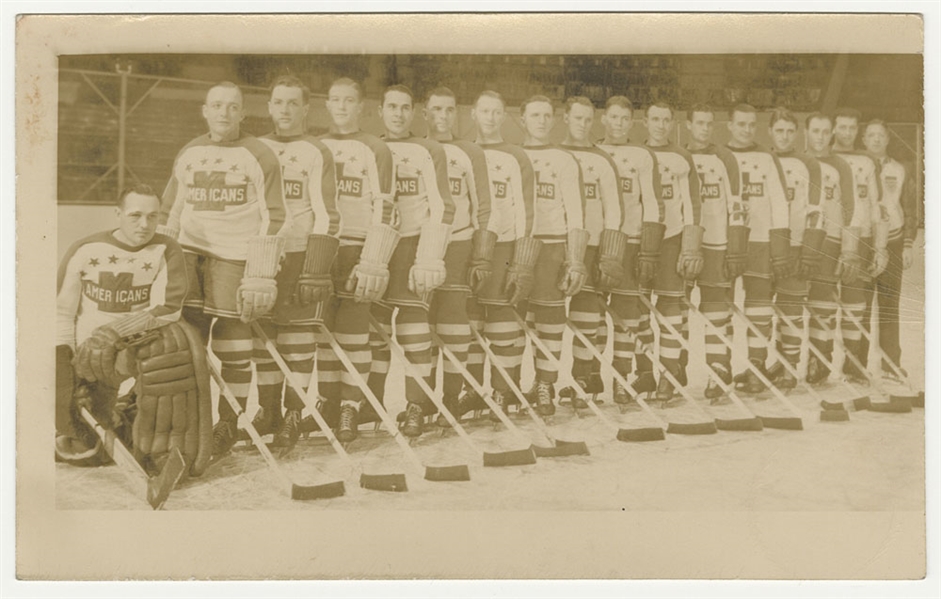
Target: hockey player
[[504, 264], [559, 223], [304, 282], [472, 230], [671, 254], [856, 298], [803, 188], [899, 199], [115, 285], [642, 208], [724, 238], [767, 219], [606, 243], [417, 266], [368, 236], [841, 261], [225, 203]]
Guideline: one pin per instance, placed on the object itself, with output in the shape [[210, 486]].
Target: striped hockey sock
[[584, 314], [789, 337], [296, 343], [232, 344], [452, 326], [381, 353], [714, 305], [758, 310], [270, 379], [549, 326]]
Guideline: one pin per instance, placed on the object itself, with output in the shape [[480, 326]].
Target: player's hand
[[908, 257], [426, 277], [610, 272], [781, 268], [255, 297], [477, 274], [848, 269], [95, 358], [314, 288], [880, 260], [368, 281], [573, 279], [689, 265], [519, 283], [647, 265], [735, 265]]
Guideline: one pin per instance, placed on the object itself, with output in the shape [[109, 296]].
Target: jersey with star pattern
[[559, 193], [803, 187], [640, 189], [763, 195], [679, 188], [719, 191], [867, 185], [470, 188], [422, 190], [601, 190], [512, 187]]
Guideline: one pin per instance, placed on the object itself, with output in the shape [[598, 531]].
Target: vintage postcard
[[474, 296]]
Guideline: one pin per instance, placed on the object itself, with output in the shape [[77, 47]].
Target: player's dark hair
[[139, 189], [848, 113], [876, 122], [534, 99], [817, 115], [489, 93], [442, 92], [349, 83], [398, 87], [622, 101], [783, 114], [292, 81], [226, 85], [659, 104], [578, 100], [703, 108], [742, 108]]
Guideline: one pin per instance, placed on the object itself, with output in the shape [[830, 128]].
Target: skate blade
[[322, 491], [447, 473], [782, 423], [641, 434], [740, 424], [518, 457], [384, 482], [693, 428]]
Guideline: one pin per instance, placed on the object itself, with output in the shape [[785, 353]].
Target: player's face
[[659, 123], [489, 115], [700, 125], [876, 139], [743, 127], [344, 105], [397, 113], [617, 122], [441, 113], [137, 220], [783, 135], [288, 110], [537, 120], [579, 120], [819, 133], [845, 130], [223, 111]]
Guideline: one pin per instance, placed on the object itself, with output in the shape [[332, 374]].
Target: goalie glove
[[850, 265], [368, 279], [575, 274], [736, 256], [99, 358], [611, 250], [258, 291], [428, 272], [780, 242], [690, 262], [648, 259], [811, 252], [480, 267], [519, 276], [315, 284]]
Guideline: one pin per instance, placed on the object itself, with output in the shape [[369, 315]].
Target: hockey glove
[[736, 256], [96, 356], [648, 260], [519, 276], [850, 265], [258, 291], [315, 283], [611, 258], [780, 242], [690, 262], [368, 279], [575, 273], [811, 252], [428, 272], [480, 267]]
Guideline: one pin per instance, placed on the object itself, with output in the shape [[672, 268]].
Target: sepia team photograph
[[470, 281]]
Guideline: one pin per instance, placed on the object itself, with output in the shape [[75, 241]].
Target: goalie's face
[[137, 219], [819, 133], [783, 135]]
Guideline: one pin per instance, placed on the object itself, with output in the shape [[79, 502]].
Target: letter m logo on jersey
[[214, 190], [115, 292]]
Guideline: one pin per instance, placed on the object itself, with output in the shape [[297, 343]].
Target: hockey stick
[[376, 482], [506, 458], [293, 490], [893, 406], [559, 447], [643, 434], [154, 489], [514, 457], [832, 412], [918, 399], [432, 473], [794, 424]]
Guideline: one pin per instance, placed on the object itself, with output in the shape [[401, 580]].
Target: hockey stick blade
[[895, 405], [739, 424], [562, 449], [324, 491], [693, 428], [384, 482], [919, 401], [785, 423], [905, 399], [638, 435], [519, 457], [160, 486], [447, 473], [834, 416], [859, 404]]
